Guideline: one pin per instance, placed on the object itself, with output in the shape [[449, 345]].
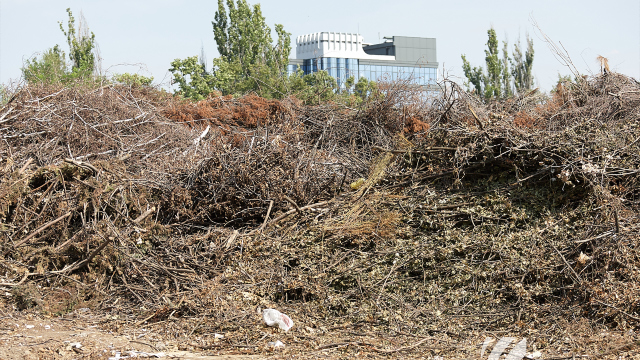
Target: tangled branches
[[410, 214]]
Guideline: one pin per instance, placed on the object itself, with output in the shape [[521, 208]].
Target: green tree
[[243, 37], [249, 60], [192, 78], [521, 67], [365, 89], [49, 68], [475, 75], [320, 87], [247, 50], [506, 76], [499, 80], [493, 82], [489, 84], [81, 46]]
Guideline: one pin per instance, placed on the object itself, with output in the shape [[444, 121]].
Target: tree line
[[52, 67], [252, 61]]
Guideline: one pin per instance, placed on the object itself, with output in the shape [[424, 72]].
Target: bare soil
[[83, 335]]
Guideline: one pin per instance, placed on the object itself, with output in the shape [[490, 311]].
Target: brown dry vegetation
[[225, 112], [516, 218]]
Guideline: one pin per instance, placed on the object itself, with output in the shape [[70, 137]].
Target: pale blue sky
[[145, 36]]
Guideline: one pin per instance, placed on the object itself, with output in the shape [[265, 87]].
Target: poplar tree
[[496, 81], [249, 59], [506, 75], [51, 66], [521, 67], [244, 42], [81, 45], [492, 83]]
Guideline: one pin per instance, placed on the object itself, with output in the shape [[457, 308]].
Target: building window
[[343, 68]]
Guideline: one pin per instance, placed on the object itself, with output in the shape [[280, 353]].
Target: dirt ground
[[83, 334], [78, 336]]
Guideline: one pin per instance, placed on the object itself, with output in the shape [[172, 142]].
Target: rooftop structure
[[345, 54]]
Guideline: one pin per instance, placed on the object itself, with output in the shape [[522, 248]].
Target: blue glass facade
[[352, 68], [341, 69]]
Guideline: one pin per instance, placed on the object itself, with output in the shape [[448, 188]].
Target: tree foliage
[[243, 37], [49, 68], [249, 59], [521, 66], [133, 79], [81, 46], [506, 76], [365, 89], [493, 85], [320, 87], [314, 88], [503, 76], [192, 78]]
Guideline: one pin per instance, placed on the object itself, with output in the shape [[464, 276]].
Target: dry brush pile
[[439, 219]]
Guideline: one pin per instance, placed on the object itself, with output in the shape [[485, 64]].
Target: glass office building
[[342, 69], [343, 55]]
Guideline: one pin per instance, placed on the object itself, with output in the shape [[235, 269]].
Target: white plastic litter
[[273, 317], [534, 355], [142, 354], [137, 354], [276, 344]]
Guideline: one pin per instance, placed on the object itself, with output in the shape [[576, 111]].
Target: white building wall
[[334, 45]]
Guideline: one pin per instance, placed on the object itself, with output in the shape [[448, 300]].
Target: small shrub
[[49, 68], [133, 79]]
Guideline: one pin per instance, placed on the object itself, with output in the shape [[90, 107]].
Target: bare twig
[[82, 164], [477, 118], [25, 166], [144, 215], [38, 231], [293, 203]]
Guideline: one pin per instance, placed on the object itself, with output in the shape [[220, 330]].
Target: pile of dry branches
[[448, 216]]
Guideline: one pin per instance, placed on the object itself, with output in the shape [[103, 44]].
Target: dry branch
[[38, 231]]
